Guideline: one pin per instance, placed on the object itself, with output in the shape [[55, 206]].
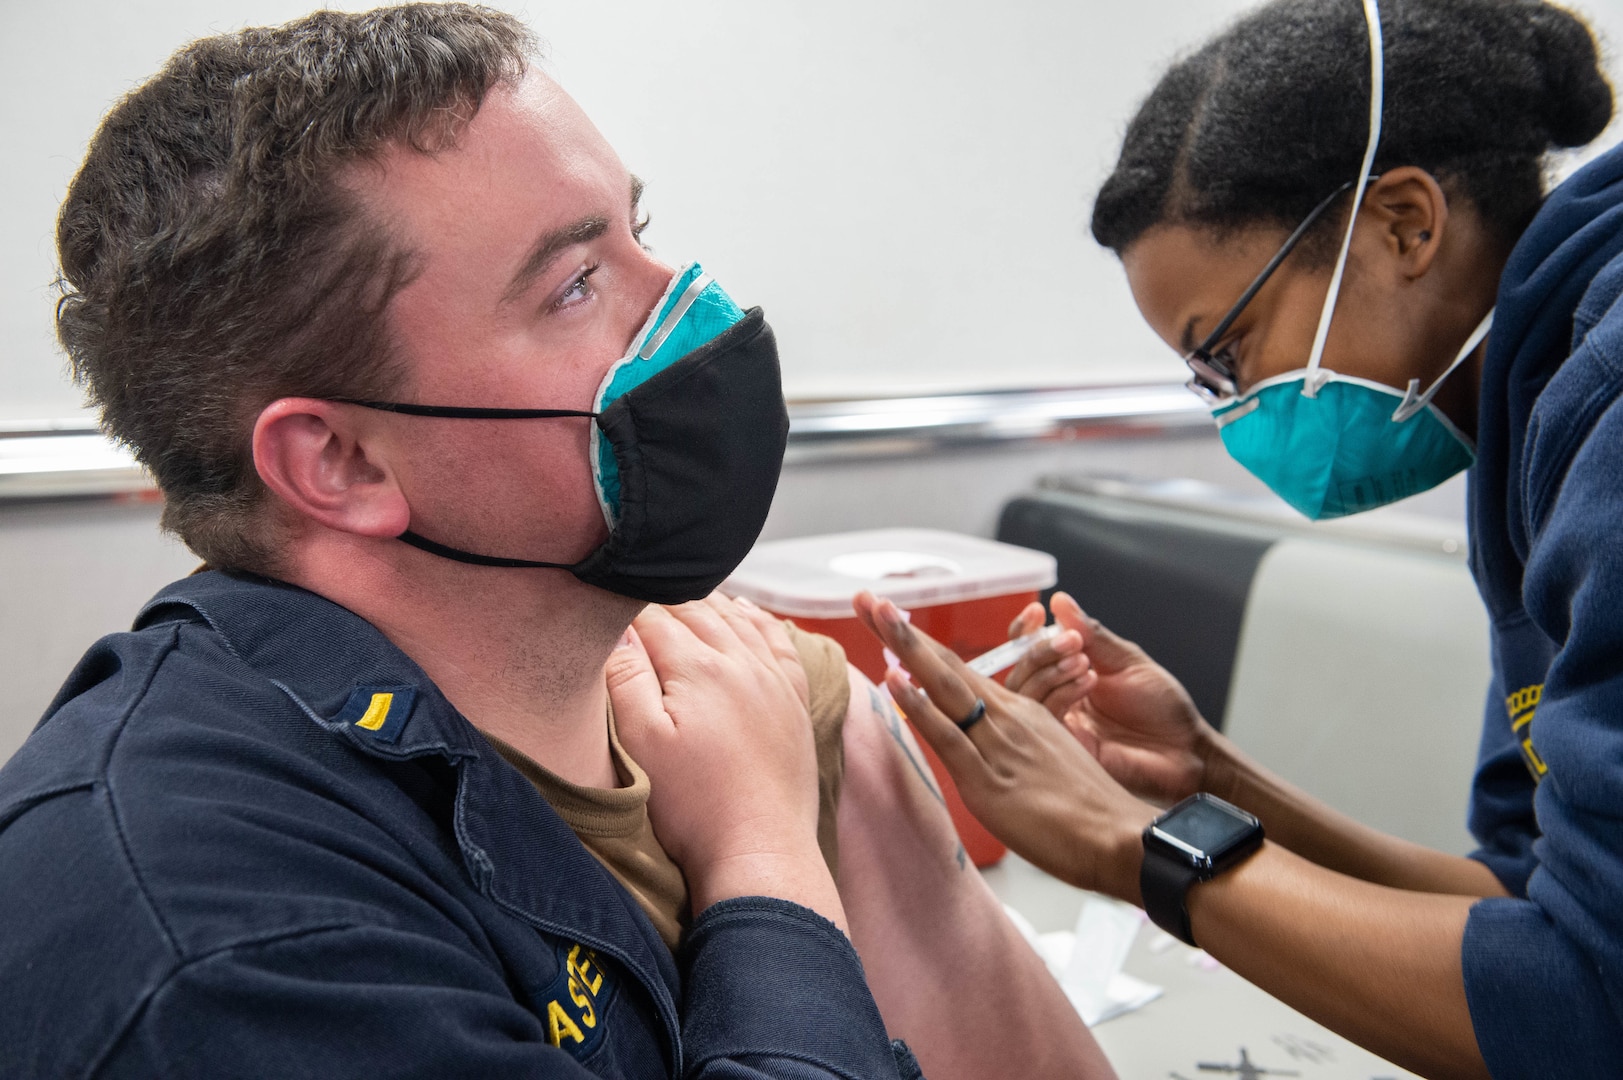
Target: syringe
[[1011, 653]]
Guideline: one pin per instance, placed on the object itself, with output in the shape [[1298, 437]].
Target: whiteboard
[[903, 185]]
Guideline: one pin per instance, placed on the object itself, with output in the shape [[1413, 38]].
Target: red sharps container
[[961, 590]]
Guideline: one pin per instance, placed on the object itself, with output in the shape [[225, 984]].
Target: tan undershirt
[[613, 823]]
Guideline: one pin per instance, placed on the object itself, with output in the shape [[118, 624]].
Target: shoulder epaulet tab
[[380, 711]]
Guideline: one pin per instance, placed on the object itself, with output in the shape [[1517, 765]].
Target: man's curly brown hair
[[212, 261]]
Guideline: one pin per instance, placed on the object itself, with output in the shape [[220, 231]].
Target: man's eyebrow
[[549, 247]]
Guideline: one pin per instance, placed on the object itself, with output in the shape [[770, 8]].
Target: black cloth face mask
[[691, 433]]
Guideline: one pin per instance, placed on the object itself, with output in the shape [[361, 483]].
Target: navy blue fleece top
[[1544, 971], [252, 838]]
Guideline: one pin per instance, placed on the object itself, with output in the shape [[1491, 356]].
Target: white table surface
[[1208, 1016]]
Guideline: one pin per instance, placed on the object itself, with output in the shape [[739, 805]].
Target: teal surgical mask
[[1331, 444]]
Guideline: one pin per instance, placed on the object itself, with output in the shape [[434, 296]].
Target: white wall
[[903, 184]]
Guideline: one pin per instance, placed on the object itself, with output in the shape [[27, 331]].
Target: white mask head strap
[[1377, 77], [1414, 400]]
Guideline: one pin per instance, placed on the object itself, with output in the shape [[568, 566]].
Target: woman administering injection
[[1326, 210]]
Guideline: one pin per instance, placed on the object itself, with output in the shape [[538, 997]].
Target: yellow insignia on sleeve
[[1522, 706]]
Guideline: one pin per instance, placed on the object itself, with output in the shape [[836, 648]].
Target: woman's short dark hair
[[1269, 117], [212, 262]]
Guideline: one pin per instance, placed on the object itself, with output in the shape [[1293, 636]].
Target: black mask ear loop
[[456, 412]]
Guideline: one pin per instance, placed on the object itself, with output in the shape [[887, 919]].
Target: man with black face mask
[[366, 293]]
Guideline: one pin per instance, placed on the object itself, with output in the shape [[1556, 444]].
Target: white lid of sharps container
[[815, 577]]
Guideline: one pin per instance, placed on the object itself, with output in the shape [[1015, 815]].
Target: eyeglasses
[[1213, 379]]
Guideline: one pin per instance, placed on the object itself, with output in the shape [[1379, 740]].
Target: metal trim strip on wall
[[71, 459]]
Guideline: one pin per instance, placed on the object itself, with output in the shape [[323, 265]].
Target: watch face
[[1206, 826]]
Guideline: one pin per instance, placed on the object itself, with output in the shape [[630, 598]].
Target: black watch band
[[1197, 839], [1164, 883]]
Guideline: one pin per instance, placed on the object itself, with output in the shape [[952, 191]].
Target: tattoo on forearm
[[893, 724], [886, 710]]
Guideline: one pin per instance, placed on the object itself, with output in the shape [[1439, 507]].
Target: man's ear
[[1411, 212], [316, 455]]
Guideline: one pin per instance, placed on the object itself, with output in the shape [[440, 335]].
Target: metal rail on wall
[[71, 459]]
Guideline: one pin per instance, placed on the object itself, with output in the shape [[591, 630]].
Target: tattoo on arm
[[884, 709], [893, 724]]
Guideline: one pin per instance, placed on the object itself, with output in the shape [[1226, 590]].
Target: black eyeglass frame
[[1212, 379]]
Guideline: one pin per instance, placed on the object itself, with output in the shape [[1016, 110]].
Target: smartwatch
[[1194, 841]]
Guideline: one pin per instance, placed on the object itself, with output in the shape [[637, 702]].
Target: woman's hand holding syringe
[[1129, 711]]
